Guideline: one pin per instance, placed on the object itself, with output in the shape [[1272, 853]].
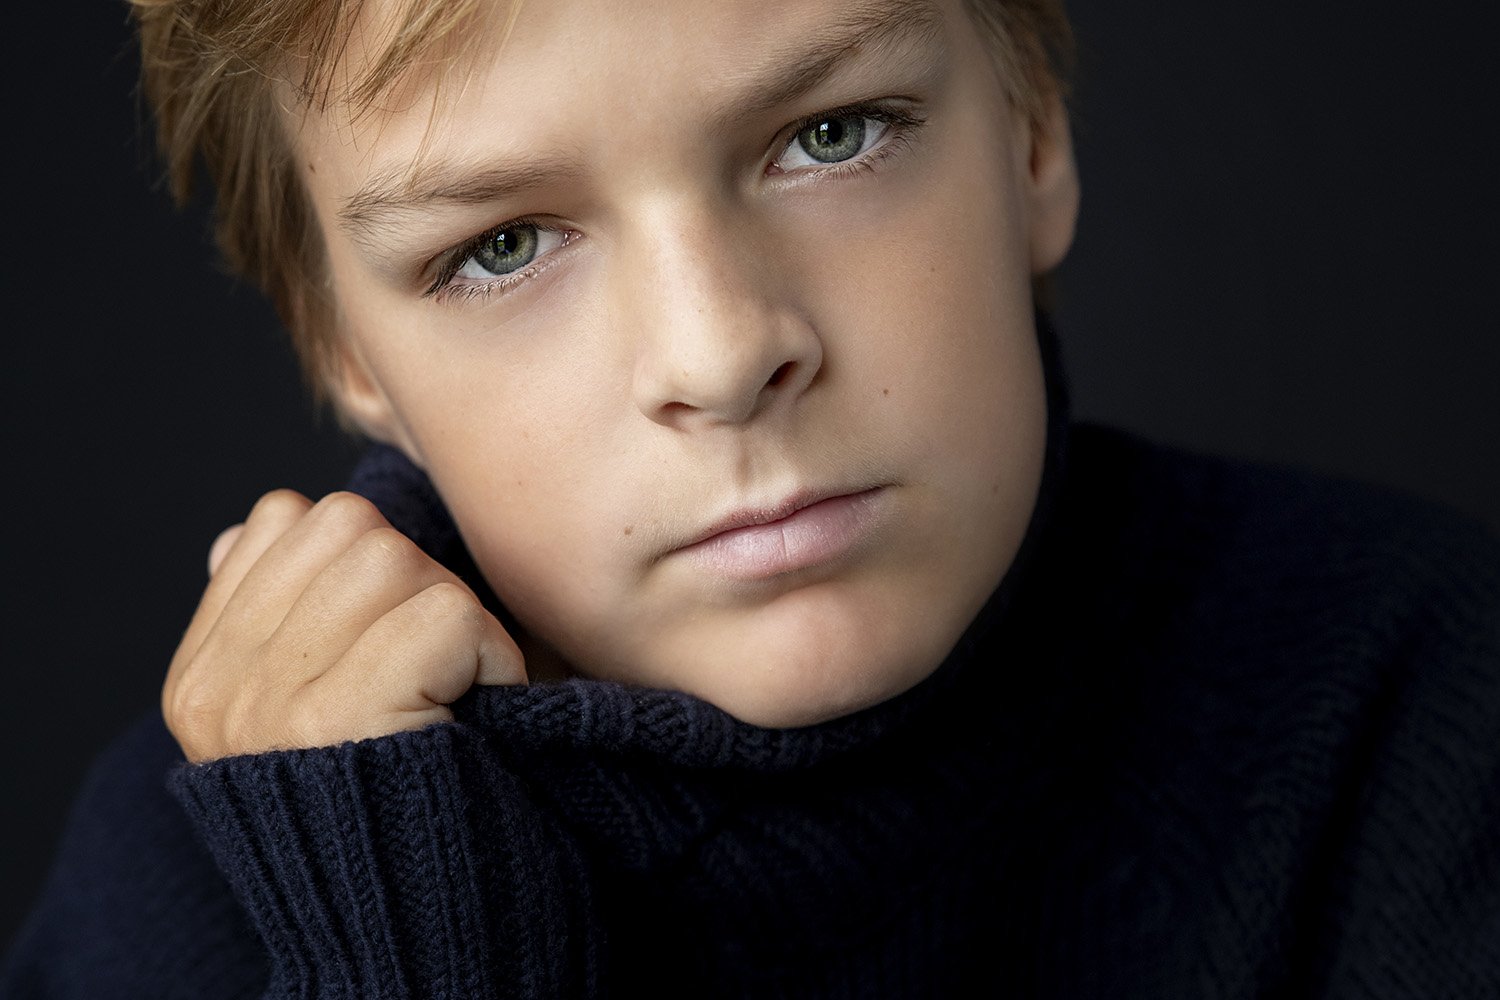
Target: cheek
[[937, 249], [549, 543], [523, 454], [926, 302]]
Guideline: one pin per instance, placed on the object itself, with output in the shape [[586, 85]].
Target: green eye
[[507, 250], [833, 139]]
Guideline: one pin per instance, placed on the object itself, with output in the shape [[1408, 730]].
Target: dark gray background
[[1288, 251]]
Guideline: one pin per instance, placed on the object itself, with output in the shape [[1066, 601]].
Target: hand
[[321, 623]]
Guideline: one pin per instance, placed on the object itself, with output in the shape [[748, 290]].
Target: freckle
[[885, 392], [629, 528]]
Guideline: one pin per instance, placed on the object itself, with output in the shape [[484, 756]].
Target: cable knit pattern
[[1225, 731], [366, 868]]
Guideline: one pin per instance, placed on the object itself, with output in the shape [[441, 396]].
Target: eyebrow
[[863, 26], [869, 24], [397, 192]]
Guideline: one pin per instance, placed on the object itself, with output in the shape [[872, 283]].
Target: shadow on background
[[1288, 252]]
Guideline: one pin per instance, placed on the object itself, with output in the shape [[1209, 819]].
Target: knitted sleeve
[[413, 865], [133, 907]]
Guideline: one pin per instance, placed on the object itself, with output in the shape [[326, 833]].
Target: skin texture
[[716, 322]]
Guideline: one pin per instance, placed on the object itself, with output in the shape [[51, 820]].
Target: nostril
[[780, 374]]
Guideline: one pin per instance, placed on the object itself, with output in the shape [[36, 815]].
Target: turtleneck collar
[[670, 726]]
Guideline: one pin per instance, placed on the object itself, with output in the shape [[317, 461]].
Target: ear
[[362, 401], [1054, 191]]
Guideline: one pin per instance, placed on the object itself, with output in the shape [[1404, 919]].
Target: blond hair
[[216, 74]]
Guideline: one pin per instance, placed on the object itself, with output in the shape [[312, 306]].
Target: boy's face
[[671, 266]]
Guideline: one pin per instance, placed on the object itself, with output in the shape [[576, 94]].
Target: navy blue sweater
[[1224, 731]]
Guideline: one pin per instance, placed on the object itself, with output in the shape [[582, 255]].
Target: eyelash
[[901, 127]]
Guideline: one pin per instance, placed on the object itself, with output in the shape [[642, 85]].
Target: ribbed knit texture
[[1225, 732]]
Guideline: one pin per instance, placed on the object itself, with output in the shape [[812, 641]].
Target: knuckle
[[190, 709], [349, 512], [386, 549], [451, 600], [306, 725], [324, 716], [244, 721], [281, 506]]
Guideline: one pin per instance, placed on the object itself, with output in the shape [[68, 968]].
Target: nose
[[719, 341]]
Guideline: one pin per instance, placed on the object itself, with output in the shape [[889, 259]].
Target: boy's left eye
[[832, 138]]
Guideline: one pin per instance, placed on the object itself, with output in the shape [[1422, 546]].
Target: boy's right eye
[[501, 252], [498, 259], [834, 139]]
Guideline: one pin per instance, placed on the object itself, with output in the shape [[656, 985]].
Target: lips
[[764, 515], [802, 531]]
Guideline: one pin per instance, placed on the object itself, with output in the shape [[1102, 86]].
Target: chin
[[802, 662], [794, 707]]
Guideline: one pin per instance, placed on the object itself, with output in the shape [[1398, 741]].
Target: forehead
[[564, 74], [470, 33]]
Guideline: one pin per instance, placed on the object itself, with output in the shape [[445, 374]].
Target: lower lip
[[812, 536]]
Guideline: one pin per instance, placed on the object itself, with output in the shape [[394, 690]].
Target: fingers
[[269, 519], [285, 541], [377, 572], [321, 623], [413, 661], [266, 590]]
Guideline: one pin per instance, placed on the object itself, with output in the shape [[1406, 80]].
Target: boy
[[703, 346]]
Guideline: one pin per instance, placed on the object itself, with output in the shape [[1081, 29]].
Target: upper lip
[[748, 516]]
